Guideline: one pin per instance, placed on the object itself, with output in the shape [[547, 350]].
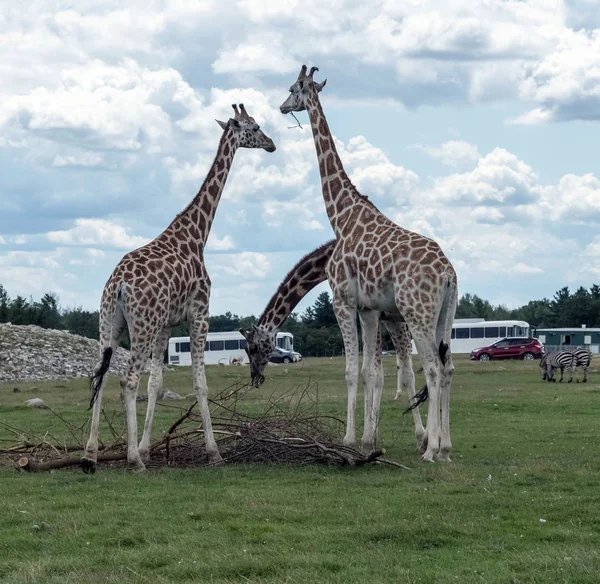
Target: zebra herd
[[565, 360]]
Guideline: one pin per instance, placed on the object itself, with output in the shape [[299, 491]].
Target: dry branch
[[288, 431]]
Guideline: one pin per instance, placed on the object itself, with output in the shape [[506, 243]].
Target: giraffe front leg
[[198, 331], [154, 386], [346, 317]]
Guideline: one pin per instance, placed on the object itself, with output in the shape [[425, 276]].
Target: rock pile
[[31, 352]]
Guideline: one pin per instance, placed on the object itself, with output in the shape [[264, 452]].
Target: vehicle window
[[502, 331], [501, 344], [185, 347], [177, 347], [517, 342], [491, 332], [462, 333], [217, 345], [453, 335], [477, 332], [243, 344], [232, 345], [206, 346]]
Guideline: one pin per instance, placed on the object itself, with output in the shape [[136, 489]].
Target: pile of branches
[[290, 430]]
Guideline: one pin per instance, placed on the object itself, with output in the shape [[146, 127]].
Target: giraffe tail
[[423, 394], [98, 377]]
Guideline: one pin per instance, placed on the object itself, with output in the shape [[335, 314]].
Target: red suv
[[526, 348]]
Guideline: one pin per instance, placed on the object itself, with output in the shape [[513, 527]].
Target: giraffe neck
[[338, 191], [197, 218], [302, 278]]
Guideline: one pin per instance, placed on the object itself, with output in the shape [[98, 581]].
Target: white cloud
[[499, 178], [452, 153], [265, 53], [216, 244], [96, 232], [85, 159], [246, 265]]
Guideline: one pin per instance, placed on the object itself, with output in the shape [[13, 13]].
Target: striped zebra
[[565, 359]]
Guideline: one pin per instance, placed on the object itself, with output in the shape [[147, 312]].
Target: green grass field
[[519, 503]]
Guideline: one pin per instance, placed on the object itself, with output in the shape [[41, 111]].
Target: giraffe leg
[[111, 328], [138, 356], [154, 386], [346, 317], [401, 338], [445, 442], [432, 369], [198, 331], [443, 336], [372, 377]]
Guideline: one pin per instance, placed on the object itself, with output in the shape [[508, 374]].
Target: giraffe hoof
[[145, 455], [215, 459], [138, 468], [427, 457], [444, 456], [88, 466]]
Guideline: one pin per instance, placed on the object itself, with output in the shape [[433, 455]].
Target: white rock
[[36, 402], [31, 352], [168, 394]]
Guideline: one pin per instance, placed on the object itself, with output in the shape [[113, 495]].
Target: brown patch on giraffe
[[335, 185], [417, 254], [429, 258], [213, 190], [322, 166], [185, 248], [324, 144], [330, 164], [323, 129]]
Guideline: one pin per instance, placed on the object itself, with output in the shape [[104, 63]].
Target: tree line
[[315, 330]]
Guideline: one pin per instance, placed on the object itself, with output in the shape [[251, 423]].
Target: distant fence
[[593, 348]]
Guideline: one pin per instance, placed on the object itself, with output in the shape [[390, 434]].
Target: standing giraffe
[[158, 286], [378, 266], [310, 271]]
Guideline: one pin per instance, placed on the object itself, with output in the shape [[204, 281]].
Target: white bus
[[471, 333], [219, 348]]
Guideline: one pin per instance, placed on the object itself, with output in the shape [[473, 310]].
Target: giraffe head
[[301, 91], [260, 344], [246, 132]]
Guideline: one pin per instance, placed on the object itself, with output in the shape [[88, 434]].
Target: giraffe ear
[[222, 124], [319, 86], [247, 334]]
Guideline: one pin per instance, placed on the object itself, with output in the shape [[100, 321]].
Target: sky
[[474, 123]]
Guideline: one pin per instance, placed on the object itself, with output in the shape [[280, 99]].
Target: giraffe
[[310, 271], [159, 285], [378, 266]]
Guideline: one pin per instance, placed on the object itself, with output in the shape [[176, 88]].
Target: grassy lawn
[[519, 503]]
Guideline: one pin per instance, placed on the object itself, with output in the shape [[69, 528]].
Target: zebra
[[565, 359]]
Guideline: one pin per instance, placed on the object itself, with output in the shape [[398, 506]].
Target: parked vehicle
[[283, 356], [220, 347], [526, 348]]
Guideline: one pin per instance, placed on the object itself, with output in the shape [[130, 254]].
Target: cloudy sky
[[472, 122]]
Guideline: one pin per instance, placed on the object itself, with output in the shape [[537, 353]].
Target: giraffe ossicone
[[379, 267], [158, 286]]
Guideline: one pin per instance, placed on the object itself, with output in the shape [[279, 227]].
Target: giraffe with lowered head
[[310, 271], [378, 266], [158, 286]]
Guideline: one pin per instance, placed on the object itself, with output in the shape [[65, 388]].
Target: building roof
[[575, 329]]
